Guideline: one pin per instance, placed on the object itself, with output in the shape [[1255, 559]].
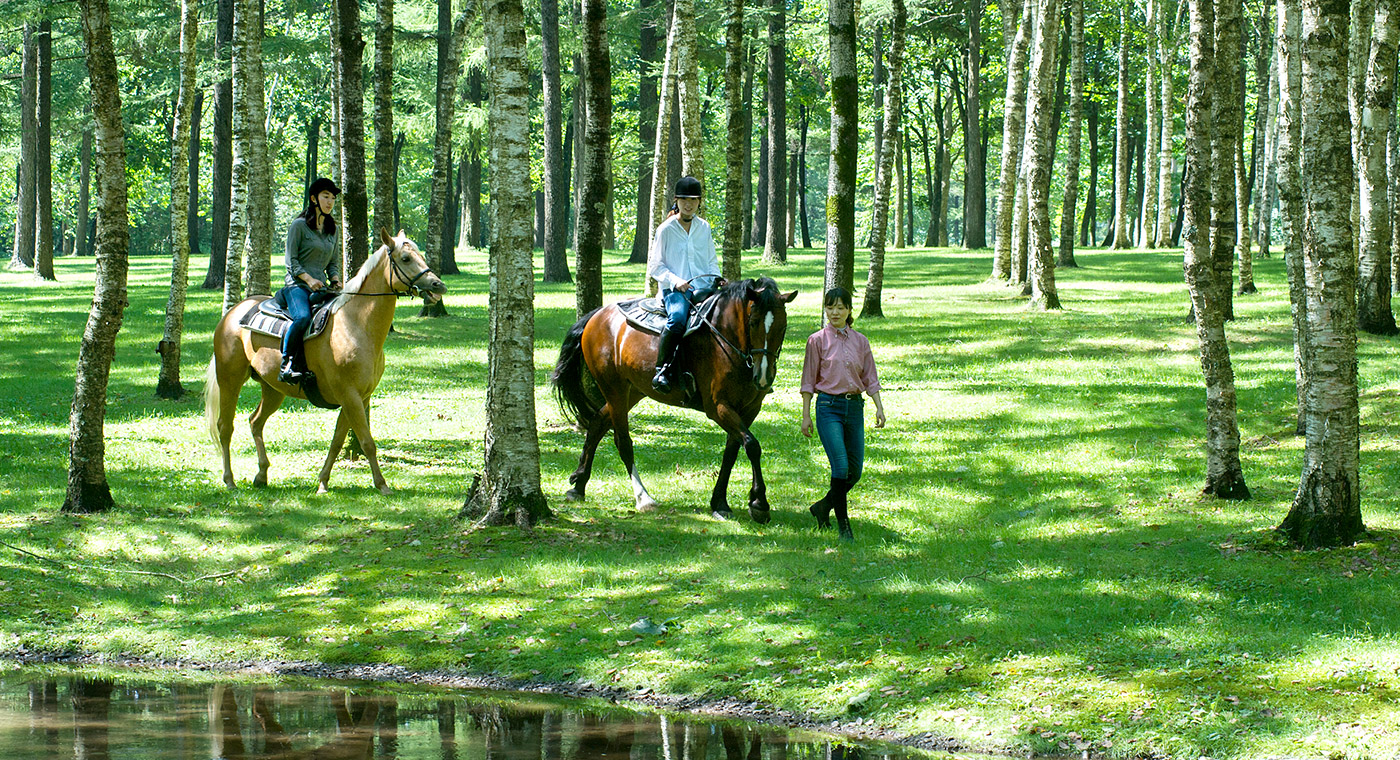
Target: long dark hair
[[840, 294], [327, 220]]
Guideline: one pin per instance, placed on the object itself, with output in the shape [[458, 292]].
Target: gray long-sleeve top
[[311, 252]]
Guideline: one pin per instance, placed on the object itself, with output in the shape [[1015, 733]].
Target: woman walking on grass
[[838, 367]]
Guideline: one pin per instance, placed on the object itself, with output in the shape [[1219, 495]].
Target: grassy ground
[[1034, 567]]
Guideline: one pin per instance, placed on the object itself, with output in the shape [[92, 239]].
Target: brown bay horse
[[347, 357], [605, 367]]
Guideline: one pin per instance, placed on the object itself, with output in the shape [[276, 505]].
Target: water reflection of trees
[[259, 722]]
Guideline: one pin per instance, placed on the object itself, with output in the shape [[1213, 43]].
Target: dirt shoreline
[[731, 709]]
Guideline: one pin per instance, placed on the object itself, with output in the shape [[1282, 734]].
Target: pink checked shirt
[[837, 362]]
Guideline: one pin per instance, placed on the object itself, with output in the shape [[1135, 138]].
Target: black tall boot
[[821, 509], [665, 360], [839, 503]]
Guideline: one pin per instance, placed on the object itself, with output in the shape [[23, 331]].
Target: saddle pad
[[649, 314], [270, 319]]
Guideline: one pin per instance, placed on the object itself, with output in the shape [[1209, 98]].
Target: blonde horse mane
[[357, 283]]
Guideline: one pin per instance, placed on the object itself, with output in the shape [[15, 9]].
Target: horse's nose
[[436, 285]]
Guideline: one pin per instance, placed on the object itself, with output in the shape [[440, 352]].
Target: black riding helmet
[[688, 187], [320, 184]]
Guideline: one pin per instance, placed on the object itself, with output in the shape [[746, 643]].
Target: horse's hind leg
[[623, 438], [579, 479], [271, 402], [228, 406]]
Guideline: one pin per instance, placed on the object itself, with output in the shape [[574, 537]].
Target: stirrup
[[661, 381]]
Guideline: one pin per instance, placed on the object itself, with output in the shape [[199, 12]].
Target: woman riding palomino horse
[[313, 272], [348, 357], [605, 367]]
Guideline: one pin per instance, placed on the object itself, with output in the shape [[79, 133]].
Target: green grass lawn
[[1034, 565]]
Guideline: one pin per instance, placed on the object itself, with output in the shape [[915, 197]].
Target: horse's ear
[[401, 233], [385, 239], [787, 297]]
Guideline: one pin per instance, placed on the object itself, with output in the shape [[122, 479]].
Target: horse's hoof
[[260, 481], [322, 489], [760, 516], [230, 485], [573, 495], [647, 505], [722, 514], [386, 490]]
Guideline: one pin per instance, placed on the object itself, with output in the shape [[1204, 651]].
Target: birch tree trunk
[[646, 128], [871, 305], [221, 163], [1373, 313], [945, 171], [775, 239], [556, 170], [192, 165], [688, 87], [1362, 14], [1123, 155], [1153, 136], [43, 154], [354, 233], [83, 219], [596, 172], [1290, 192], [1040, 155], [22, 256], [1224, 474], [1166, 60], [845, 146], [1012, 141], [1327, 509], [168, 383], [243, 115], [1072, 150], [1243, 240], [660, 193], [1266, 187], [510, 491], [733, 240], [449, 71], [975, 174], [88, 491], [257, 242], [384, 177], [1225, 109]]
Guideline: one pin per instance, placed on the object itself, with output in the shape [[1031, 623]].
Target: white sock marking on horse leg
[[639, 491]]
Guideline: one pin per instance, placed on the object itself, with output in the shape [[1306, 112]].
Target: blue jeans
[[840, 424], [298, 300], [678, 308]]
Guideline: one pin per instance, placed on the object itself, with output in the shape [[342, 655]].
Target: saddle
[[271, 318], [649, 314]]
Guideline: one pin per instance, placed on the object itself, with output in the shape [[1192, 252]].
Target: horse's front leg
[[594, 434], [271, 402], [357, 413], [737, 426], [342, 429], [719, 498], [622, 437]]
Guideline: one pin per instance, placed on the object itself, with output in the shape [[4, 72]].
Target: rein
[[747, 355], [399, 274]]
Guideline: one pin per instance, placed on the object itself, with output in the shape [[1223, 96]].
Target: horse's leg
[[738, 425], [229, 386], [342, 429], [579, 479], [719, 498], [271, 401], [623, 438], [355, 413]]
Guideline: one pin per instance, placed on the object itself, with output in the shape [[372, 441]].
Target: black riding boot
[[839, 503], [821, 508], [665, 361], [289, 373]]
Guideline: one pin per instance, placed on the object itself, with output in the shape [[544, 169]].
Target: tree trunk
[[1012, 142], [932, 181], [88, 491], [688, 90], [945, 170], [1327, 509], [556, 170], [1243, 241], [399, 141], [1088, 229], [82, 221], [1166, 42], [1393, 154], [243, 114], [257, 245], [1123, 155], [1065, 256], [660, 193], [775, 241], [384, 178], [221, 187], [1224, 475], [471, 178], [1373, 312], [192, 159], [1225, 108], [845, 146], [1040, 155], [975, 173], [23, 252], [747, 213], [802, 179], [1153, 136], [596, 173], [791, 239], [510, 489], [1290, 192], [1266, 75], [168, 383], [733, 244], [871, 305], [43, 154], [354, 233], [646, 129], [760, 209], [451, 37]]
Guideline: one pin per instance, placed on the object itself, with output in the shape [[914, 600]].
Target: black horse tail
[[571, 377]]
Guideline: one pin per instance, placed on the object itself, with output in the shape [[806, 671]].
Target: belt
[[841, 395]]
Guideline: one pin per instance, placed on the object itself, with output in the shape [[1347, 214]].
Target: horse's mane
[[357, 283], [738, 290]]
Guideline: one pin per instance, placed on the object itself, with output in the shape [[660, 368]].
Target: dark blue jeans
[[678, 308], [840, 424], [298, 300]]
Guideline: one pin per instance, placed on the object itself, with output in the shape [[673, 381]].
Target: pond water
[[48, 713]]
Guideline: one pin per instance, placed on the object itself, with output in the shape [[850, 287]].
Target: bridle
[[397, 273], [746, 354]]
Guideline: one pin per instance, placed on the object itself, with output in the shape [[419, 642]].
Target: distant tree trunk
[[168, 383], [399, 141], [452, 218], [688, 90], [1373, 312], [243, 115], [945, 170], [596, 175], [791, 237], [760, 210], [775, 242], [733, 243], [257, 245], [221, 187], [975, 174], [355, 232], [1226, 105], [1065, 256], [43, 154], [845, 145], [1153, 131], [1166, 42], [646, 130], [1088, 229], [748, 210], [510, 488], [192, 199], [471, 179], [931, 180], [451, 37], [802, 181], [1362, 14], [1123, 155], [1243, 241], [660, 193], [1040, 155], [870, 305], [1290, 192], [88, 491], [1327, 509], [1012, 140], [1266, 74], [23, 253], [1224, 476], [385, 179], [556, 170], [82, 222]]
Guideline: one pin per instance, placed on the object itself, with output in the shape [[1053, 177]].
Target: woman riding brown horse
[[348, 357], [605, 367]]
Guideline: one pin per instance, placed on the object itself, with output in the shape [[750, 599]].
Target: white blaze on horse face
[[763, 376]]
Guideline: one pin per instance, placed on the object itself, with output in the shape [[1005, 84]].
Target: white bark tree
[[168, 383], [1040, 154]]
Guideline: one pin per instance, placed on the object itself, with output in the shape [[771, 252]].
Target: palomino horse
[[347, 357], [605, 368]]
